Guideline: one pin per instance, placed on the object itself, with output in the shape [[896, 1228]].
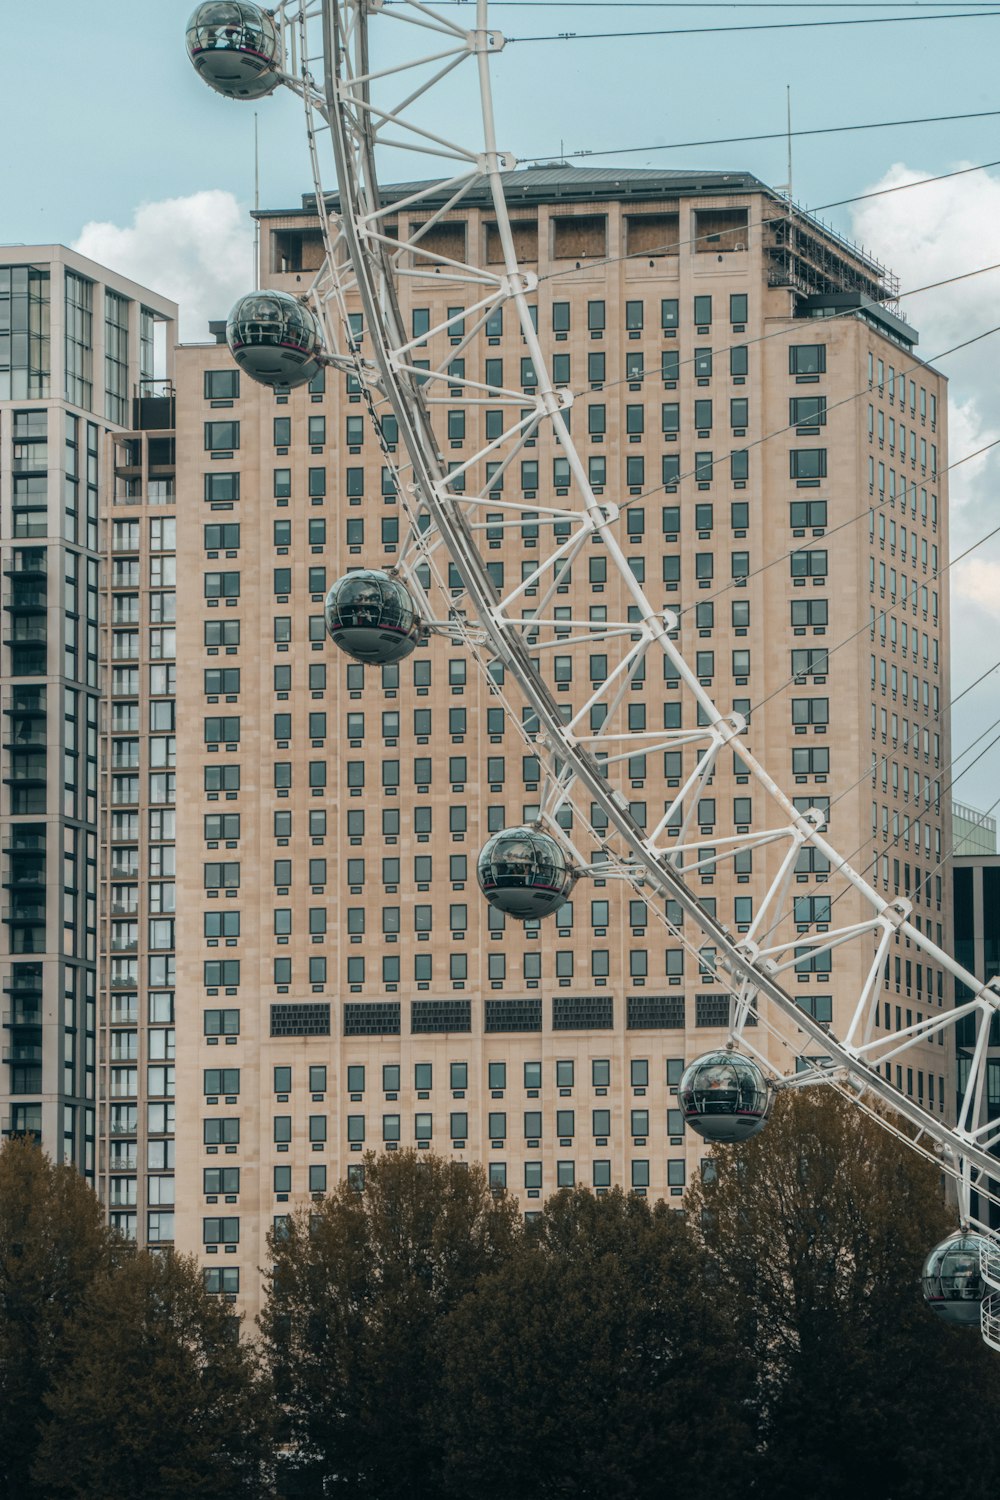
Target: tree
[[53, 1244], [157, 1396], [821, 1223], [358, 1291], [597, 1363]]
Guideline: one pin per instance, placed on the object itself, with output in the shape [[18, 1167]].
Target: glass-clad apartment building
[[77, 343]]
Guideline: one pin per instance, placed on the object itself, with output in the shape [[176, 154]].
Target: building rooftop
[[563, 182], [567, 183]]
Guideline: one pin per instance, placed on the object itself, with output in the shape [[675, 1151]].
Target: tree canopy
[[596, 1362], [421, 1339], [157, 1396], [119, 1375], [821, 1224], [53, 1244], [358, 1291]]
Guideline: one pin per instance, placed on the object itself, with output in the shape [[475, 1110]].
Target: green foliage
[[119, 1375], [420, 1342], [53, 1244], [597, 1362], [352, 1327], [157, 1396], [821, 1225]]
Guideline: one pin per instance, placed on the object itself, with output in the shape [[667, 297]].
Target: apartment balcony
[[22, 1053], [22, 1015], [25, 880], [24, 838], [26, 598], [29, 661], [26, 736], [154, 407], [29, 564], [25, 703], [24, 913], [28, 771], [24, 980], [25, 633]]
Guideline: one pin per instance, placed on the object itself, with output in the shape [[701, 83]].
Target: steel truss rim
[[963, 1150]]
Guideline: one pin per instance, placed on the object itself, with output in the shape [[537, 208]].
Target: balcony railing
[[28, 598], [28, 912], [26, 739], [22, 1052], [29, 565], [20, 982], [23, 1015], [24, 633]]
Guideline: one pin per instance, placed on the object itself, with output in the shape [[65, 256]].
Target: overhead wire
[[773, 135], [869, 627], [790, 427], [656, 253], [602, 36], [873, 862], [868, 774], [709, 5]]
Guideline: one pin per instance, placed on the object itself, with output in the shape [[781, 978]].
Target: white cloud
[[197, 250], [935, 233], [978, 581]]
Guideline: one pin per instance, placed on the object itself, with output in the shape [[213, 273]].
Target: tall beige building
[[742, 380]]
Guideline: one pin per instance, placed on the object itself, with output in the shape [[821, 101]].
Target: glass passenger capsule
[[275, 338], [524, 873], [725, 1097], [372, 617], [235, 48], [952, 1281]]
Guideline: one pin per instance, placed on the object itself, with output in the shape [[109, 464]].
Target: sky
[[116, 148]]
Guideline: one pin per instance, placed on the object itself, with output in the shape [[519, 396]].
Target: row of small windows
[[899, 539], [898, 681], [225, 1181], [226, 1231], [497, 1130], [913, 441], [225, 537], [903, 736], [562, 312], [227, 777], [896, 384], [217, 1131], [914, 594]]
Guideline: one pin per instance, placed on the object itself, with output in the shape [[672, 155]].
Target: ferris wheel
[[375, 77]]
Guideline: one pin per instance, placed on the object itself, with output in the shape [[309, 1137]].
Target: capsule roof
[[235, 47]]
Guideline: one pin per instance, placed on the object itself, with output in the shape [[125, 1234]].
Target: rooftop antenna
[[256, 204], [786, 187]]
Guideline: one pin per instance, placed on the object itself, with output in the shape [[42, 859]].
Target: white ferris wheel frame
[[326, 61]]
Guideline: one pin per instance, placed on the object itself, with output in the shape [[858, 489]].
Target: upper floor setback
[[623, 225]]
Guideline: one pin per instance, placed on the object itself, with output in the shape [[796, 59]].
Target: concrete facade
[[341, 985]]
